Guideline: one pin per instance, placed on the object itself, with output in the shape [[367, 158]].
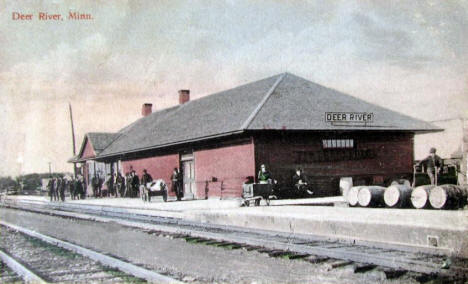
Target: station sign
[[349, 117]]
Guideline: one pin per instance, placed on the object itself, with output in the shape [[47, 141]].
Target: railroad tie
[[230, 245], [250, 248], [299, 255], [316, 258], [338, 263], [393, 273], [363, 267], [264, 250], [213, 243], [278, 253]]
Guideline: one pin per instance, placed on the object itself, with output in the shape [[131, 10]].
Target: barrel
[[420, 196], [447, 196], [402, 181], [371, 196], [353, 195], [397, 195], [464, 194], [345, 184]]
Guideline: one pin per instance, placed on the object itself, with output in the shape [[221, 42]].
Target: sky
[[408, 56]]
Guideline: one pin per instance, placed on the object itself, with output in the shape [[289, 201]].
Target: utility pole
[[73, 138], [50, 169]]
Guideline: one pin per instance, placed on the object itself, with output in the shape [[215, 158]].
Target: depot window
[[338, 143]]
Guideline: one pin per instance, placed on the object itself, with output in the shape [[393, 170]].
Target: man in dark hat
[[94, 185], [51, 186], [128, 184], [80, 187], [63, 185], [177, 183], [146, 178], [135, 184], [300, 182], [299, 178], [71, 187], [432, 163], [57, 185], [100, 184], [120, 181]]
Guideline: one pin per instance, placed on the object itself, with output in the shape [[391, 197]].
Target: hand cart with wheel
[[255, 192], [154, 188]]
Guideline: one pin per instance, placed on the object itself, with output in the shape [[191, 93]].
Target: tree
[[7, 182]]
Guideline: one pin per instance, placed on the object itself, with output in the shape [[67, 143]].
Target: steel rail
[[126, 267], [21, 270]]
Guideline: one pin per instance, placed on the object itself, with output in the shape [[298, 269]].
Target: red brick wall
[[391, 155], [88, 151], [229, 164], [158, 167]]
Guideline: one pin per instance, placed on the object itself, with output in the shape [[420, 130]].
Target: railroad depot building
[[282, 121]]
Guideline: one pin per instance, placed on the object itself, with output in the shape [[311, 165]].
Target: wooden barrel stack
[[401, 195], [420, 196], [398, 195], [353, 195], [448, 196]]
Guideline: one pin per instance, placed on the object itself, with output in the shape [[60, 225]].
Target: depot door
[[188, 169]]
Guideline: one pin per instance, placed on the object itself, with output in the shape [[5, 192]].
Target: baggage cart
[[255, 192]]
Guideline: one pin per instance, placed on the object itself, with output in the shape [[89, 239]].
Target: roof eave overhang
[[425, 131], [416, 131], [198, 139], [81, 160], [102, 157]]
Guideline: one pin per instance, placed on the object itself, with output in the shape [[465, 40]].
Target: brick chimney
[[184, 96], [146, 109]]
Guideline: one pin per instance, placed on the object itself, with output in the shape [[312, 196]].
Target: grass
[[122, 275], [54, 249]]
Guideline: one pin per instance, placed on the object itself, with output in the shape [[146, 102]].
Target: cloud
[[410, 55]]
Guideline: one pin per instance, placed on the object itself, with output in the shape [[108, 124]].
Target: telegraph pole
[[73, 138]]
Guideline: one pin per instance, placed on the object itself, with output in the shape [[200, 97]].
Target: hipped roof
[[281, 102]]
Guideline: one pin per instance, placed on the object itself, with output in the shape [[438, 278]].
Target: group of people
[[58, 185], [117, 185], [299, 180]]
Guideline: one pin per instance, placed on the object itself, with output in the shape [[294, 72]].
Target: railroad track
[[333, 254], [33, 257], [7, 275]]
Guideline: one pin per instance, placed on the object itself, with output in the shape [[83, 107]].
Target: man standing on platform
[[81, 187], [100, 183], [51, 187], [56, 188], [63, 184], [94, 185], [146, 177], [177, 184], [433, 163], [128, 185], [135, 184], [120, 183]]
